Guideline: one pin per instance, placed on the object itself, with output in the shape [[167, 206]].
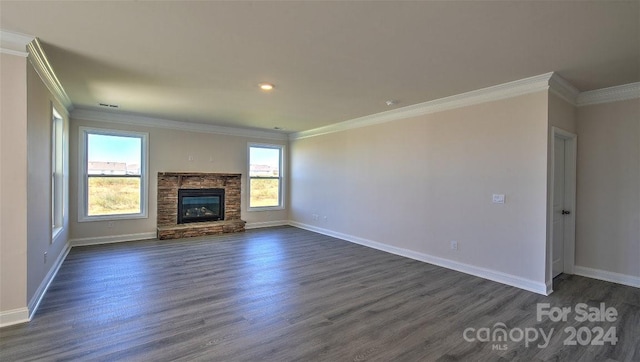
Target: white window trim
[[83, 174], [282, 177], [58, 173]]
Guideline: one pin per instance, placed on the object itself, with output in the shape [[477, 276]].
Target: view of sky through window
[[261, 156], [108, 148]]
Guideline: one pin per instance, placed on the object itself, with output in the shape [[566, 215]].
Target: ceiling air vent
[[108, 105]]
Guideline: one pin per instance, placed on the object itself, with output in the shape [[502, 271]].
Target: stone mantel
[[168, 185]]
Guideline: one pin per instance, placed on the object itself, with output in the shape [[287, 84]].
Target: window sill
[[266, 208], [112, 217], [55, 232]]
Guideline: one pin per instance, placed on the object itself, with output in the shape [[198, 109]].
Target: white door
[[558, 206]]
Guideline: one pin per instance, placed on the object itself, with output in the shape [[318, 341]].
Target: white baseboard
[[607, 276], [112, 239], [496, 276], [549, 285], [34, 303], [14, 316], [265, 224]]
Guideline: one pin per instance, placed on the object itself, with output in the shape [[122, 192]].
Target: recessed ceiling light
[[266, 86]]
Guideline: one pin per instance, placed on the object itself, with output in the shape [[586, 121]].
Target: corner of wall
[[14, 316]]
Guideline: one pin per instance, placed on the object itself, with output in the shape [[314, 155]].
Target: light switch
[[498, 198]]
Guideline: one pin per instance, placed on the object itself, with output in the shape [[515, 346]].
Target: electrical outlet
[[498, 199], [45, 257], [454, 245]]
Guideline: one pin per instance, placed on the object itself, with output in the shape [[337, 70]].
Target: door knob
[[566, 212]]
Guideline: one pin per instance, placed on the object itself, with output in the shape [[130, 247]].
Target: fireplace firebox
[[199, 205]]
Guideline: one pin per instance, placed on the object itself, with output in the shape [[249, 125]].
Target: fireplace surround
[[171, 223]]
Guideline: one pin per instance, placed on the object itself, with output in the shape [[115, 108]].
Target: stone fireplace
[[198, 204]]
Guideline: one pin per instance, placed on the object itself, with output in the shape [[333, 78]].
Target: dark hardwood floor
[[286, 294]]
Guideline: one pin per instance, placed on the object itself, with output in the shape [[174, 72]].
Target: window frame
[[281, 178], [57, 173], [83, 174]]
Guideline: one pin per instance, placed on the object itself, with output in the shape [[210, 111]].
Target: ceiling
[[330, 61]]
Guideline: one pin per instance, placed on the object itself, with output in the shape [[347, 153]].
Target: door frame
[[571, 150]]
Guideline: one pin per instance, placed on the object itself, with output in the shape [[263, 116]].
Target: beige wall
[[169, 151], [561, 115], [419, 183], [39, 115], [13, 183], [608, 205]]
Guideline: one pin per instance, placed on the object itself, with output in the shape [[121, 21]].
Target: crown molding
[[563, 89], [130, 119], [40, 62], [611, 94], [493, 93], [14, 43]]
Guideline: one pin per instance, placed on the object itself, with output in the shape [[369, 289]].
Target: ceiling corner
[[563, 89]]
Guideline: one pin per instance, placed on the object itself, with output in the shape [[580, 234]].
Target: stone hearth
[[168, 185]]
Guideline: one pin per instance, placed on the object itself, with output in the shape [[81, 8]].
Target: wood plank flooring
[[286, 294]]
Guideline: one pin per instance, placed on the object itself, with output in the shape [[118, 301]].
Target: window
[[114, 174], [57, 172], [265, 177]]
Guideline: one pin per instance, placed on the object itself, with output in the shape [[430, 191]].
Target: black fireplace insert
[[198, 205]]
